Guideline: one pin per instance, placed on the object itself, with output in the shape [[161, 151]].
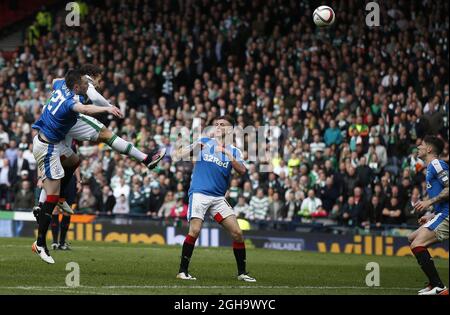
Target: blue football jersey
[[58, 116], [212, 171], [437, 179]]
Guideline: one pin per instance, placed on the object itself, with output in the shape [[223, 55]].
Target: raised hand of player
[[422, 205], [115, 111], [220, 149], [200, 146]]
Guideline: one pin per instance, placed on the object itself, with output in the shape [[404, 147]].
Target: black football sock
[[39, 204], [55, 227], [186, 254], [45, 217], [68, 173], [65, 223], [240, 255], [426, 263]]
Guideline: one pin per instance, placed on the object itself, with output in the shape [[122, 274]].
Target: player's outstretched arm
[[93, 110], [96, 97], [183, 152]]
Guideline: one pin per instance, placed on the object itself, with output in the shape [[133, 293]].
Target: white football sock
[[42, 196], [124, 147]]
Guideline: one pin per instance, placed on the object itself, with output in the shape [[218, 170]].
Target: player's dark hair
[[436, 143], [90, 70], [72, 77], [227, 118]]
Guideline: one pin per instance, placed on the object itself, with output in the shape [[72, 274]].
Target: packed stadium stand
[[347, 105]]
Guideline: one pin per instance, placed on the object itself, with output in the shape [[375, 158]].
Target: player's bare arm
[[237, 166], [184, 152], [425, 204], [93, 110], [443, 196], [78, 179]]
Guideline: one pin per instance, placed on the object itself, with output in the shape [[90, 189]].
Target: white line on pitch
[[201, 287]]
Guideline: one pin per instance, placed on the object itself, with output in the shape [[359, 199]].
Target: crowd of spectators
[[348, 104]]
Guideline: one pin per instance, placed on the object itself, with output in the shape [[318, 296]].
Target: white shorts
[[218, 207], [439, 225], [86, 128], [48, 158]]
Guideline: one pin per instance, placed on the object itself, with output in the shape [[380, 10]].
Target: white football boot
[[185, 276], [152, 161], [245, 277], [64, 206], [43, 253], [436, 291]]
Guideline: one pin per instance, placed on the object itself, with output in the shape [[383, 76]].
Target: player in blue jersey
[[434, 226], [88, 128], [210, 181], [56, 161]]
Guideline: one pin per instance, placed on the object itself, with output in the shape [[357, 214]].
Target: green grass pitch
[[113, 268]]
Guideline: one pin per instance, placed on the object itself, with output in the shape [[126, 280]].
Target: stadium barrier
[[130, 230]]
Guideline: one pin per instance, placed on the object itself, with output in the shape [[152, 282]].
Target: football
[[323, 16]]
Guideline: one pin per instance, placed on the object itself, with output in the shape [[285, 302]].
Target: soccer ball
[[323, 16]]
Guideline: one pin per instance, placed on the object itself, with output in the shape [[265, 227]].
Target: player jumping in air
[[56, 161], [88, 128], [210, 181], [434, 226]]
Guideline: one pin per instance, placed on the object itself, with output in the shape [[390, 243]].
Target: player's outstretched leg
[[421, 240], [127, 148], [195, 226], [231, 225]]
